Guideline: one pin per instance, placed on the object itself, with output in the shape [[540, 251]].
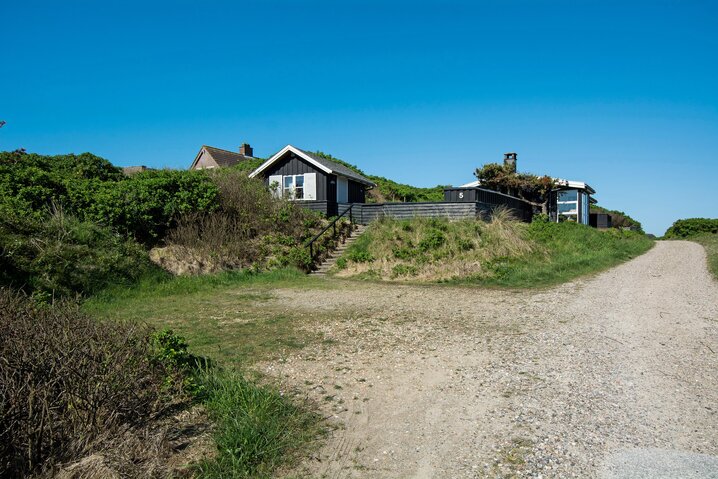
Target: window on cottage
[[567, 195], [288, 186], [293, 187], [567, 208], [299, 187]]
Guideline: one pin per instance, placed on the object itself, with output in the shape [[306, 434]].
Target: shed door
[[310, 186], [342, 190], [275, 183]]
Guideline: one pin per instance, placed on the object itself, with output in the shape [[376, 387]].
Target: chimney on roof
[[245, 150], [510, 162]]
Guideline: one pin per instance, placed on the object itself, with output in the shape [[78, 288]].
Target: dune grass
[[501, 252]]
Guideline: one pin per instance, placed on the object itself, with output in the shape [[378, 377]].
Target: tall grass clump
[[257, 428]]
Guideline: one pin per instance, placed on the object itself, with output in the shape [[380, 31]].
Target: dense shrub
[[687, 228], [249, 227], [69, 383], [143, 206], [59, 255]]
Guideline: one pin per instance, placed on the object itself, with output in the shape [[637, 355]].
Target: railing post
[[351, 218], [311, 250], [334, 225]]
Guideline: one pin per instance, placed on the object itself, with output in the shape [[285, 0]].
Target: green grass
[[710, 243], [227, 316], [257, 428], [500, 253], [567, 251]]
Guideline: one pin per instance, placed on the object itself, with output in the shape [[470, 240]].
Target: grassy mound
[[500, 252], [700, 230], [710, 243]]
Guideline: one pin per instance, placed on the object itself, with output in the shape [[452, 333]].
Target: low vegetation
[[500, 252], [258, 428], [701, 230], [226, 316]]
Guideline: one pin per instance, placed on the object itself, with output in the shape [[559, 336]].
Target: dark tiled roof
[[224, 157], [339, 168]]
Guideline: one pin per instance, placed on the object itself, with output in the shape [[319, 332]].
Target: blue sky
[[620, 94]]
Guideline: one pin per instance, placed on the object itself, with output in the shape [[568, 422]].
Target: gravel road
[[613, 376]]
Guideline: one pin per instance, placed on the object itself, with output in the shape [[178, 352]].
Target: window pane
[[568, 195], [299, 181], [299, 193], [567, 208], [288, 181]]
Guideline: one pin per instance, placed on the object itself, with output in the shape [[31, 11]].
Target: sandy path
[[612, 376]]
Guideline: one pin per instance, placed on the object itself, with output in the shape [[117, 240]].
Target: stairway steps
[[331, 260]]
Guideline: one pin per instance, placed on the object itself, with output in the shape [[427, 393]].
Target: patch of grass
[[710, 243], [228, 316], [257, 428]]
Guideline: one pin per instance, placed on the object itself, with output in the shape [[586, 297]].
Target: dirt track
[[611, 376]]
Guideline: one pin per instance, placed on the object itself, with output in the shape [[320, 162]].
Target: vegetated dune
[[499, 251]]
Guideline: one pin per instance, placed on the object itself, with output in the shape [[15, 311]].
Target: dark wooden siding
[[600, 220], [292, 165], [356, 192], [368, 212], [521, 209]]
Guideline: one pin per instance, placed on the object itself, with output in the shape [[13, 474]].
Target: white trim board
[[282, 152]]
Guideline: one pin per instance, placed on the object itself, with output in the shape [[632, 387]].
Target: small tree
[[534, 189]]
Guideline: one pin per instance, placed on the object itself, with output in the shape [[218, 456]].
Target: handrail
[[333, 224]]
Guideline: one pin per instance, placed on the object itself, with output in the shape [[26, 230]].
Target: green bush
[[88, 187], [687, 228]]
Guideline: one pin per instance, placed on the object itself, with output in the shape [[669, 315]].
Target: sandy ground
[[612, 376]]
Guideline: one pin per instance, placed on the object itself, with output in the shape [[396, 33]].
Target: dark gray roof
[[224, 157], [338, 168]]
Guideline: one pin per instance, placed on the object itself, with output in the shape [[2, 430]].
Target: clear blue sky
[[620, 94]]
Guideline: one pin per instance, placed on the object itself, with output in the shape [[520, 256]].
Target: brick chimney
[[246, 150], [510, 161]]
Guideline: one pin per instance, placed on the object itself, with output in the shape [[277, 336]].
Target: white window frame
[[291, 191], [575, 213]]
